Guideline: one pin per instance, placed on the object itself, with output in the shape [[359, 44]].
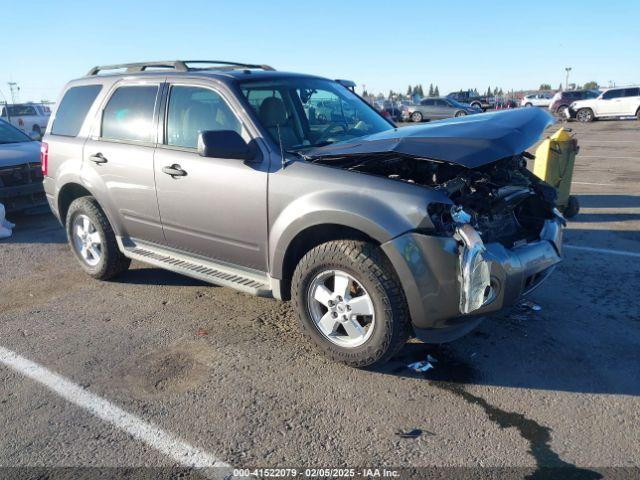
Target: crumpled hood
[[19, 153], [469, 141]]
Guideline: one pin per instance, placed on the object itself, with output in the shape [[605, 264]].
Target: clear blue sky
[[381, 44]]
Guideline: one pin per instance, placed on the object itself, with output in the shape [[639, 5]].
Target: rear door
[[118, 158], [630, 101], [217, 209], [428, 109]]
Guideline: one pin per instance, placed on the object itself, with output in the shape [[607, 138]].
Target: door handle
[[174, 171], [98, 158]]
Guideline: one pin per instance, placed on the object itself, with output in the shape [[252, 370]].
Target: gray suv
[[291, 186]]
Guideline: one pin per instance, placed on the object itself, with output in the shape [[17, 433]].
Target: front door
[[217, 208], [118, 161], [611, 103]]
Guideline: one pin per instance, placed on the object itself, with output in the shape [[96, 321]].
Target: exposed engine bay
[[503, 200]]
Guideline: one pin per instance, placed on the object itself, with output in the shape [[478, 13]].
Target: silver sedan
[[437, 108]]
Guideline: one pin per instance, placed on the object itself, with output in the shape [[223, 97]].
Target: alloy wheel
[[86, 240], [341, 309]]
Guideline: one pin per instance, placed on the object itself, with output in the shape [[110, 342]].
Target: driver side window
[[196, 109]]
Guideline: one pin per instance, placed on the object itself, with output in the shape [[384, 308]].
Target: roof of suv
[[221, 70]]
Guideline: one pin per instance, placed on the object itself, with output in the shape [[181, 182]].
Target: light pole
[[566, 83]]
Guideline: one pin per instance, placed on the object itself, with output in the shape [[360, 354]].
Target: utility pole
[[566, 83], [14, 89]]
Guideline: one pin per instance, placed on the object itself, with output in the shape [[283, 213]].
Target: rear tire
[[638, 114], [460, 114], [585, 115], [92, 240], [528, 104], [367, 273], [416, 117]]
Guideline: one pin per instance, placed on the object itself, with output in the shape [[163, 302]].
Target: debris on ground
[[415, 433], [529, 305], [423, 365], [523, 310], [6, 227], [201, 332]]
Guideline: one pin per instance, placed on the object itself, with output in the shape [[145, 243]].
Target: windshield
[[10, 134], [456, 103], [305, 112]]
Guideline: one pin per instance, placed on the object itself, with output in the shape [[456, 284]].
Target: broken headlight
[[475, 274]]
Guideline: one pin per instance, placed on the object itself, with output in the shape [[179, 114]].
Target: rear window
[[22, 111], [128, 115], [73, 109]]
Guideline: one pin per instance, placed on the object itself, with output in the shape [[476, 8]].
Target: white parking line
[[602, 250], [600, 184], [164, 442], [606, 156]]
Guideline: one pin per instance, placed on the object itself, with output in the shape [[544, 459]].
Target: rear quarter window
[[73, 110]]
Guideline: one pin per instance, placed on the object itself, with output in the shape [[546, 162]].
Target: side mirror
[[223, 144]]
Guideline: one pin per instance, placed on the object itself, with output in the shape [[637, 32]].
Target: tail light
[[44, 158], [385, 114]]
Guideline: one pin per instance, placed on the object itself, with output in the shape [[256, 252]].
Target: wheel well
[[68, 194], [312, 237]]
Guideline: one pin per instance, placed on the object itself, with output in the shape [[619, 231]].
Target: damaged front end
[[502, 220], [497, 237]]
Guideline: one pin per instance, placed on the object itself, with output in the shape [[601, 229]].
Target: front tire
[[562, 111], [350, 303], [460, 114], [585, 115], [416, 117], [93, 241], [528, 104]]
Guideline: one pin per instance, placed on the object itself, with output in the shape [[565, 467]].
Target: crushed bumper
[[431, 272]]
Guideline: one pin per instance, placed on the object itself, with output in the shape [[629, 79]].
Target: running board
[[248, 281]]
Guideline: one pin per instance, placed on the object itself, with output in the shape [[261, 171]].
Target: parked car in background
[[614, 102], [437, 108], [20, 170], [561, 100], [392, 111], [376, 233], [31, 118], [469, 97], [536, 100]]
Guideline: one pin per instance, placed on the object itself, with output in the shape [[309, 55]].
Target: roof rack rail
[[178, 66]]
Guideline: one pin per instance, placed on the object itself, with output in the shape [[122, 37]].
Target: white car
[[31, 118], [614, 102], [536, 100]]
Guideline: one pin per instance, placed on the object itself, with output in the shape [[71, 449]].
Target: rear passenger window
[[73, 109], [612, 94], [631, 92], [193, 110], [128, 115]]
